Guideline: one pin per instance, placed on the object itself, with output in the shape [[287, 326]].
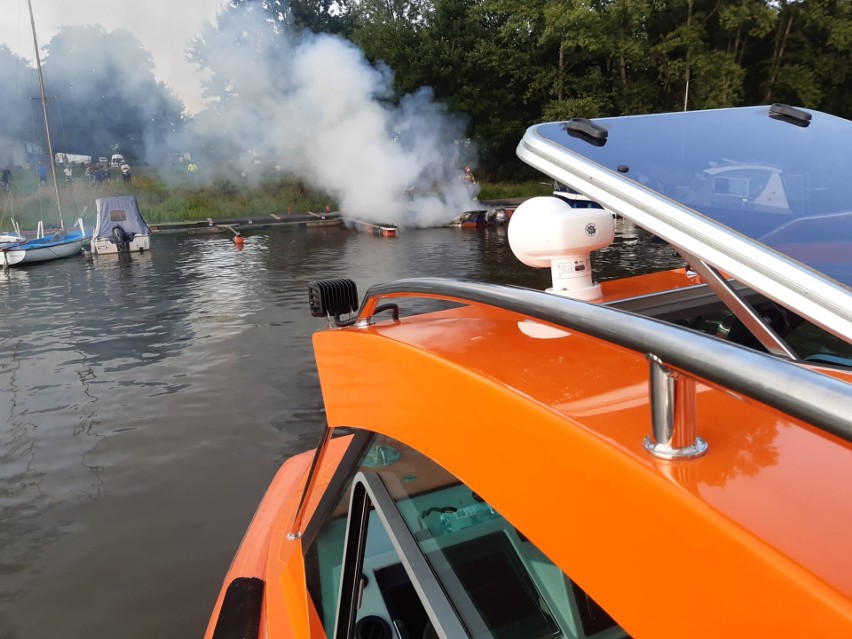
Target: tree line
[[505, 64], [510, 63], [102, 95]]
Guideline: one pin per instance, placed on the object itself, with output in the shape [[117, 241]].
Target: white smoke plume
[[315, 107]]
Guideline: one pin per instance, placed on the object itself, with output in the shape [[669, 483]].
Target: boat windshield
[[771, 174]]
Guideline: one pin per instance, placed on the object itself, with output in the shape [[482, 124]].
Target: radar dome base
[[551, 232]]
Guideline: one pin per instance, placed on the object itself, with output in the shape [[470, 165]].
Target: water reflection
[[634, 252]]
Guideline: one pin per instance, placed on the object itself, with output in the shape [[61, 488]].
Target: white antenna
[[550, 232]]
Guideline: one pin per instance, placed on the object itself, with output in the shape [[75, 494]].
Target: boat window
[[499, 584], [809, 342], [118, 215], [783, 185]]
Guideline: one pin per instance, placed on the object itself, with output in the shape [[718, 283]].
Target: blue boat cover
[[119, 212]]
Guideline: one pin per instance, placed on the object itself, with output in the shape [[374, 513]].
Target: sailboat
[[63, 242]]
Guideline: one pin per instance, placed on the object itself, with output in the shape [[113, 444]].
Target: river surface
[[146, 403]]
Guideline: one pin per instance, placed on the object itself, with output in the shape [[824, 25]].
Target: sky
[[164, 27]]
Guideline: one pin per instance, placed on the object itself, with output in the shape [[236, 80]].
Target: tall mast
[[46, 124]]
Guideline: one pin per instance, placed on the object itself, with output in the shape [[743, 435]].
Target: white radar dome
[[548, 232]]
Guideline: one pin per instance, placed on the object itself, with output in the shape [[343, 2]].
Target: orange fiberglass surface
[[547, 425], [665, 455]]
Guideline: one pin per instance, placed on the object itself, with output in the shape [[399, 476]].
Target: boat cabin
[[666, 455]]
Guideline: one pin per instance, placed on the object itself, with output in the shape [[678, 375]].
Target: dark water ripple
[[146, 403]]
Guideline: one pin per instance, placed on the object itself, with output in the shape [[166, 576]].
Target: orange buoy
[[238, 241], [289, 210]]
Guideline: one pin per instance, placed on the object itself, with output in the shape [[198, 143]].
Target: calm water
[[146, 403]]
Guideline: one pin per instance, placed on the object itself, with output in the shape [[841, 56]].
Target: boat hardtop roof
[[119, 211], [767, 494], [761, 193]]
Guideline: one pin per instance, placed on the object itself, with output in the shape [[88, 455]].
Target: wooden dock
[[259, 222]]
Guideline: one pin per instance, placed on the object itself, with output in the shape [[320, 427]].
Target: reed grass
[[171, 194]]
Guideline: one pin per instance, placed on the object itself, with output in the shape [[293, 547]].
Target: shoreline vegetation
[[173, 195]]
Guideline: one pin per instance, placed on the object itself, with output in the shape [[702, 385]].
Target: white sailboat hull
[[103, 246], [42, 250]]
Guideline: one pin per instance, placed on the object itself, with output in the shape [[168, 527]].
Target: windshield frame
[[810, 293]]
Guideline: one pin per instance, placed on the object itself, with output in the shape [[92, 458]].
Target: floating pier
[[258, 222]]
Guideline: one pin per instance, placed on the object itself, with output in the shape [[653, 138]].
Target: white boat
[[119, 227], [63, 242]]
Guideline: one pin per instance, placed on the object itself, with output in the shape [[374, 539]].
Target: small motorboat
[[373, 228], [667, 455], [470, 220], [119, 227]]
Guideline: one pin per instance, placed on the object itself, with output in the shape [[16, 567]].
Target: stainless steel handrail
[[817, 399], [813, 296]]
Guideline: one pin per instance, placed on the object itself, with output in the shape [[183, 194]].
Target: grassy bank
[[174, 195], [505, 190]]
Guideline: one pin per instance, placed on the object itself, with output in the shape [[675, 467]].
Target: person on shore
[[41, 172], [192, 168], [68, 174], [7, 176], [125, 172]]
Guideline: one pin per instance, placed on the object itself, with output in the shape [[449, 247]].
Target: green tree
[[317, 16], [478, 55], [16, 79], [390, 31], [812, 56], [108, 99], [603, 57]]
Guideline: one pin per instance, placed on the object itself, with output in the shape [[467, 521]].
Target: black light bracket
[[789, 114], [333, 298], [587, 130]]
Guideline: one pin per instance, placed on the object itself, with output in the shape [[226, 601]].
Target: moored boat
[[119, 227], [665, 455], [54, 244], [60, 243], [373, 228], [470, 220]]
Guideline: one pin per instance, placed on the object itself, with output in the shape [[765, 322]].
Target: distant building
[[19, 152]]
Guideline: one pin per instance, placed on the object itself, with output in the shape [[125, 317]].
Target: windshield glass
[[784, 181]]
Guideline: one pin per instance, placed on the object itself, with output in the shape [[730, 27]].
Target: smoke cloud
[[313, 106]]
